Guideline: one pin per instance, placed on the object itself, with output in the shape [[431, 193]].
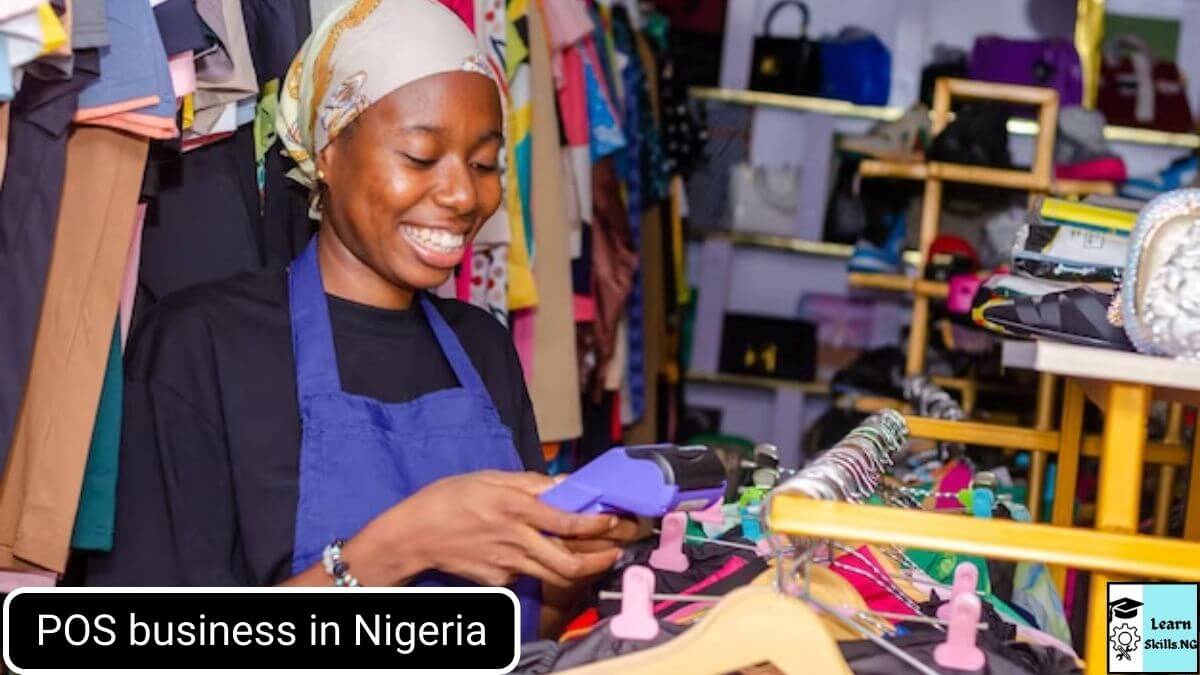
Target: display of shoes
[[1078, 316], [904, 139], [1180, 173], [978, 136], [883, 258]]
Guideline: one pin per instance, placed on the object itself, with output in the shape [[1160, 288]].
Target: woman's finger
[[561, 523], [591, 545], [525, 481]]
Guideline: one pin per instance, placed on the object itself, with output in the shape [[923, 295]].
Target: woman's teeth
[[434, 239]]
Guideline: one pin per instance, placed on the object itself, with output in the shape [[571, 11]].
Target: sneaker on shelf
[[1180, 173], [886, 259], [901, 140]]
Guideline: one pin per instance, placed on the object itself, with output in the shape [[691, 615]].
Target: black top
[[209, 460]]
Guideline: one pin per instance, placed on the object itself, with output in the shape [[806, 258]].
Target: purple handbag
[[1052, 63]]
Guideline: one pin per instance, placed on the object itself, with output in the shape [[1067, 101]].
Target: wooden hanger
[[750, 626]]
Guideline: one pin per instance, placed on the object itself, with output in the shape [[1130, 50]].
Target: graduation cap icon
[[1123, 608]]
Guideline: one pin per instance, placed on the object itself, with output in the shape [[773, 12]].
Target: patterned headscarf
[[363, 51]]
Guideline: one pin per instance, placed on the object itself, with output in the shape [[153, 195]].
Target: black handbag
[[790, 65], [769, 347]]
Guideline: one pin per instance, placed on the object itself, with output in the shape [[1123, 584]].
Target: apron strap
[[312, 332], [464, 370]]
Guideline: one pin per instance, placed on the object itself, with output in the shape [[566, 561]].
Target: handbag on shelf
[[764, 199], [766, 346], [857, 67], [1138, 91], [1051, 63], [786, 65]]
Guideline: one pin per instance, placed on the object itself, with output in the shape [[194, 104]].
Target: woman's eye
[[419, 161], [484, 167]]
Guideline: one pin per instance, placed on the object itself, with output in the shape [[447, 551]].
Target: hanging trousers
[[39, 492]]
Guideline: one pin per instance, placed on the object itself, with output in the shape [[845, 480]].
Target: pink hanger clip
[[966, 579], [713, 514], [636, 620], [959, 651], [669, 555]]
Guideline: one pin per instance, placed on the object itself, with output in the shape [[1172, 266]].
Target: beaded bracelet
[[336, 567]]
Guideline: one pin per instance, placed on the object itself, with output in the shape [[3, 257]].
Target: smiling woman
[[404, 192], [334, 423]]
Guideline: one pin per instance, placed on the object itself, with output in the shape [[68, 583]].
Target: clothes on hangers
[[553, 384], [225, 75], [712, 570], [134, 92], [547, 656], [522, 290], [93, 529], [39, 119], [41, 486], [866, 658]]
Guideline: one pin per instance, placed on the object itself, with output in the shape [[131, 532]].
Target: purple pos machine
[[643, 480]]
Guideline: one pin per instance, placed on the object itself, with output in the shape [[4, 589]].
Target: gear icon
[[1124, 640]]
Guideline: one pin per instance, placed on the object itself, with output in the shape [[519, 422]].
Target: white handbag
[[765, 199]]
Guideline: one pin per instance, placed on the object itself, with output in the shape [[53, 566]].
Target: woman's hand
[[488, 527]]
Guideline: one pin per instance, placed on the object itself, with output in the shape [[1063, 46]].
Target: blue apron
[[360, 456]]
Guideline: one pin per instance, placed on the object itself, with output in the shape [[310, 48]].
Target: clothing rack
[[852, 468], [795, 510], [1108, 552]]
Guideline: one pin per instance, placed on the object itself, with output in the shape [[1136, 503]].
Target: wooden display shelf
[[775, 242], [1022, 438], [1090, 363], [981, 175], [815, 104], [754, 382], [977, 433], [900, 284], [961, 383], [1018, 126], [869, 405]]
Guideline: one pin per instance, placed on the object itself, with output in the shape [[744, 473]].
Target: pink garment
[[11, 581], [201, 141], [88, 114], [572, 98], [465, 9], [567, 22], [462, 282], [731, 566], [522, 329], [183, 73], [585, 308], [1102, 168], [878, 597], [957, 478], [129, 282], [150, 126]]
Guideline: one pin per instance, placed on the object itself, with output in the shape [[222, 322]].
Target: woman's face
[[411, 181]]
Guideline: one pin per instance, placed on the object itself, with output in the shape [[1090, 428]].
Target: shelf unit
[[1012, 179], [1037, 179], [753, 382], [1016, 125], [774, 242]]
